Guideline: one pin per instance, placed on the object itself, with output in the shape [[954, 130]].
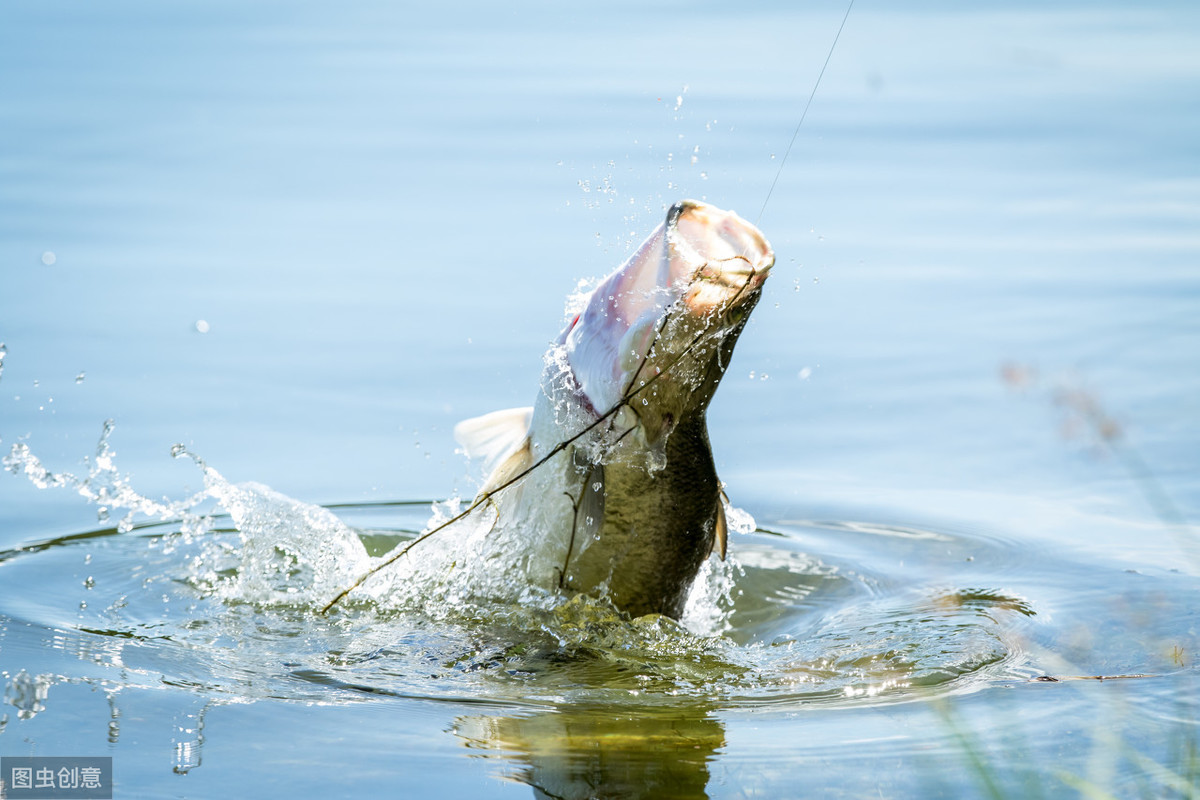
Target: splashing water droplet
[[48, 258], [79, 378], [739, 521], [752, 373], [27, 693], [3, 353], [202, 326]]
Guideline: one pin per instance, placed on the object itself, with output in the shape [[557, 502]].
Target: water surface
[[304, 242]]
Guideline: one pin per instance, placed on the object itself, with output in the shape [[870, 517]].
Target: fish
[[607, 485]]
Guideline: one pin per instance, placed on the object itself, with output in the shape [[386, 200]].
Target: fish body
[[618, 493]]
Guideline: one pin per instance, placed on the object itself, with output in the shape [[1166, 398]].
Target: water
[[303, 243]]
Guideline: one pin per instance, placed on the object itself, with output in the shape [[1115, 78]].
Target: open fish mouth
[[725, 247], [701, 263]]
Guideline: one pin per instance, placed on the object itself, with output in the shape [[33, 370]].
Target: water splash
[[28, 693], [290, 551], [103, 484], [229, 602], [462, 608], [295, 554], [737, 520], [710, 604]]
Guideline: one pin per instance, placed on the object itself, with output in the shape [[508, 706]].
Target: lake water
[[304, 241]]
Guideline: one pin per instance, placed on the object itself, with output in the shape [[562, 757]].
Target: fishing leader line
[[804, 114]]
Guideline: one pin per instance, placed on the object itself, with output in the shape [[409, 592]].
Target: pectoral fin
[[589, 514], [590, 517], [721, 539], [721, 527]]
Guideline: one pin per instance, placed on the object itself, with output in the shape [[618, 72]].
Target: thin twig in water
[[1061, 678], [1084, 406]]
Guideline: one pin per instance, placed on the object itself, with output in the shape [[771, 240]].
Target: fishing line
[[811, 95]]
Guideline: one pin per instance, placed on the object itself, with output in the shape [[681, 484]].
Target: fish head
[[656, 335]]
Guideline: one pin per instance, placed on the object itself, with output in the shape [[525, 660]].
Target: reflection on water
[[189, 737], [582, 751], [27, 693]]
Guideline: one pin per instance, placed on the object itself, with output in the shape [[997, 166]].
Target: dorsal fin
[[495, 436]]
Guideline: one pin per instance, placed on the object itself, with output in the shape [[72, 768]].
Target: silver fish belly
[[618, 494]]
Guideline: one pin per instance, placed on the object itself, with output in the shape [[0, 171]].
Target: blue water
[[305, 241]]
